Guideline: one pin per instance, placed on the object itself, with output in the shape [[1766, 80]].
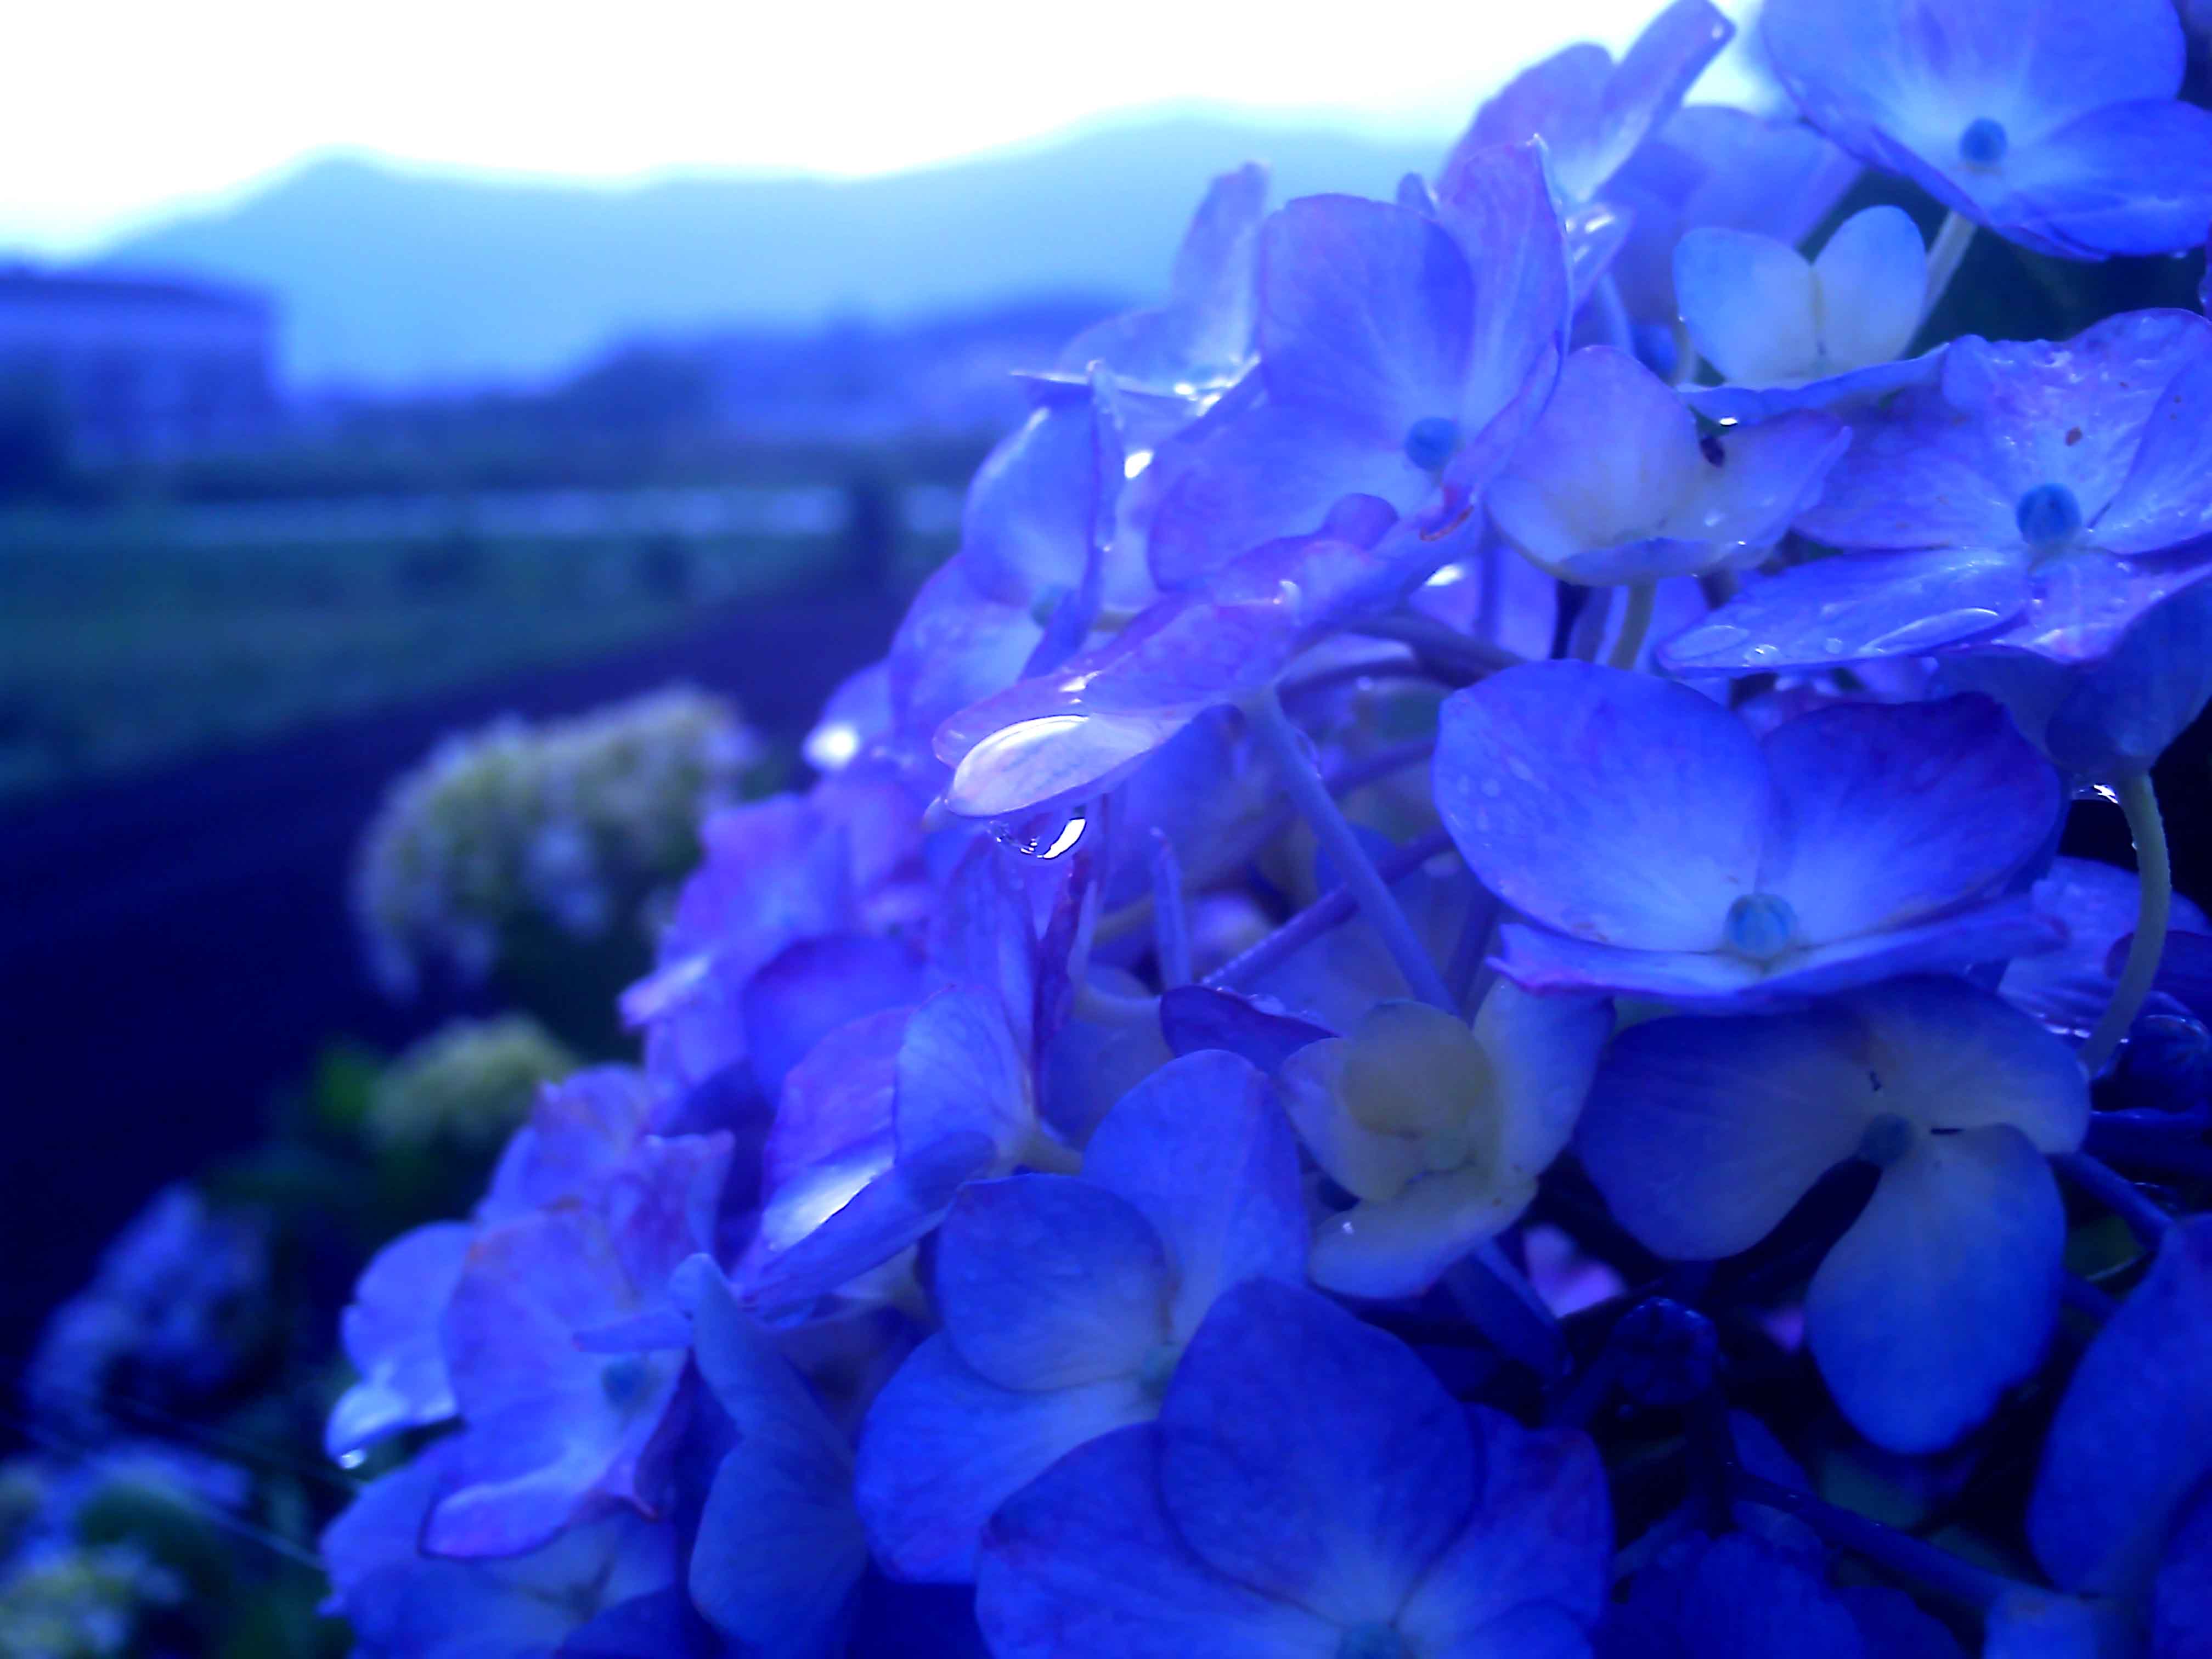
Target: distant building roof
[[20, 282]]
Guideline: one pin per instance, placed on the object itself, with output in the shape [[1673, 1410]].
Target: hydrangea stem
[[1294, 763], [1944, 254], [1332, 909], [2154, 876], [1634, 623], [1911, 1559], [2118, 1193], [1170, 922], [1446, 648]]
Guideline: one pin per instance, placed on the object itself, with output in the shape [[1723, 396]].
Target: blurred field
[[132, 636]]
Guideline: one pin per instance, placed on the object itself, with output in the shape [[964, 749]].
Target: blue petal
[[2129, 178], [1542, 1532], [2165, 500], [1616, 807], [1085, 1564], [1942, 1294], [815, 985], [1891, 813], [1852, 609], [1045, 1281], [2134, 1434], [1204, 1152], [389, 1330], [944, 1448], [1731, 1597], [2067, 988], [959, 1075], [2181, 1600], [1343, 1522]]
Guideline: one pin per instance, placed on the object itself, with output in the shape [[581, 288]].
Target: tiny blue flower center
[[1761, 926], [2048, 516], [1430, 442], [1984, 143], [1372, 1640], [1886, 1139], [623, 1381]]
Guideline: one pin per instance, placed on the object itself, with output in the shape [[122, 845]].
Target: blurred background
[[444, 449]]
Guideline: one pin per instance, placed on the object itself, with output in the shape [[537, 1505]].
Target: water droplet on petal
[[1928, 632], [1045, 835], [352, 1460]]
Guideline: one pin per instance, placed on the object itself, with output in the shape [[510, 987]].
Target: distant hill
[[390, 278]]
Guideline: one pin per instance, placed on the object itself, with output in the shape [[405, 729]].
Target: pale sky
[[114, 112]]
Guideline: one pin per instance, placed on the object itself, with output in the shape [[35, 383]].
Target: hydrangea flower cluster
[[1430, 1001], [571, 828]]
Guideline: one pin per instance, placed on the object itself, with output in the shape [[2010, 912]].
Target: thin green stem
[[1911, 1559], [2118, 1193], [2154, 906], [1944, 254], [1634, 623], [1332, 909], [1302, 779]]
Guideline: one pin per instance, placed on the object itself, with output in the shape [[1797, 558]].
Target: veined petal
[[1873, 280], [1751, 304], [944, 1447], [1616, 807], [1343, 1523], [1943, 1292], [1401, 1245]]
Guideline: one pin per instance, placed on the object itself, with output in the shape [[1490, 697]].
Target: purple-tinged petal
[[2133, 1437], [2067, 988], [2185, 968], [1084, 1563], [1851, 609], [960, 1076], [1561, 783], [1198, 1016], [2165, 499], [1942, 1293], [779, 1545], [1541, 1532], [1890, 813], [389, 1330], [581, 1131], [811, 988], [1551, 963], [1366, 312], [1201, 1149], [1592, 115], [954, 646], [1343, 1522], [660, 1207], [837, 1098], [944, 1447], [2129, 178], [1702, 1132], [1045, 1281], [1203, 334]]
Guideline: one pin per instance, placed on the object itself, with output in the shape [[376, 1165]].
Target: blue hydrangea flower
[[2041, 498], [1067, 1303], [1713, 165], [1438, 1131], [1703, 1132], [1309, 1492], [2120, 1509], [1400, 356], [1657, 849], [555, 1431], [401, 1603], [2053, 123], [1593, 113], [1653, 500], [780, 1547], [1787, 332], [390, 1333]]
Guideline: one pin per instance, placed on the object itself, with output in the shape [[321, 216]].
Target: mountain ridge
[[390, 278]]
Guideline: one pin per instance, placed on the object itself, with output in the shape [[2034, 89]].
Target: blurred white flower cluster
[[471, 1082], [578, 826]]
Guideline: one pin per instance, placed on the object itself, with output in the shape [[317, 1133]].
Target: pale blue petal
[[1045, 1281], [1197, 1017], [1942, 1294], [389, 1330], [2067, 988], [1750, 304], [959, 1075], [1616, 807], [1203, 1150]]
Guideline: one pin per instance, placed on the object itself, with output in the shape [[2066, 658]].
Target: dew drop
[[1045, 835], [352, 1460]]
